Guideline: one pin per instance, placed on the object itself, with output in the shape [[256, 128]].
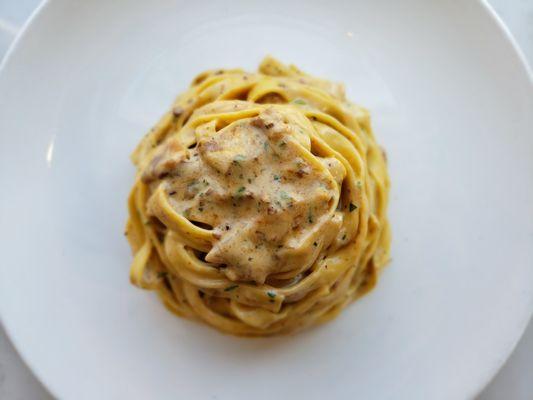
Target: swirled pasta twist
[[259, 205]]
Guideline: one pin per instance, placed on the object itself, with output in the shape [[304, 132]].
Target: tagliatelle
[[259, 205]]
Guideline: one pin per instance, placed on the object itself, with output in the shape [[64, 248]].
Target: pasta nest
[[259, 203]]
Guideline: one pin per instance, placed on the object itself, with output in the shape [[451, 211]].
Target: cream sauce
[[252, 183]]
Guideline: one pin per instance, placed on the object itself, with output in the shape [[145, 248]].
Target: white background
[[515, 380]]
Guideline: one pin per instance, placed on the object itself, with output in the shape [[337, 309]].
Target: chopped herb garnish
[[265, 146], [241, 189], [344, 237], [359, 183], [315, 244], [299, 101], [277, 178], [352, 207], [230, 288], [238, 158], [249, 180], [192, 183], [284, 195], [271, 294], [162, 274], [310, 218], [269, 125], [200, 209]]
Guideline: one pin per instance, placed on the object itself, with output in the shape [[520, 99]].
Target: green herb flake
[[238, 159], [315, 244], [277, 178], [271, 294], [299, 101], [230, 288], [241, 189], [343, 237], [284, 195], [352, 207]]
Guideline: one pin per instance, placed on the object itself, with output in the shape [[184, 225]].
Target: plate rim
[[490, 371]]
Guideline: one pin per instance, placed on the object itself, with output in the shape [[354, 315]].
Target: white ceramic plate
[[451, 101]]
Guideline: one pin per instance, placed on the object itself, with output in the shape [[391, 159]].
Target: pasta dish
[[259, 203]]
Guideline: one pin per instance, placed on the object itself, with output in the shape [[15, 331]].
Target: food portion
[[259, 204]]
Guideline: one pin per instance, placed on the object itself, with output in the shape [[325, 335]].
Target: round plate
[[451, 102]]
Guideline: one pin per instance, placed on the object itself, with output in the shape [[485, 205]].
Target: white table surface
[[513, 382]]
